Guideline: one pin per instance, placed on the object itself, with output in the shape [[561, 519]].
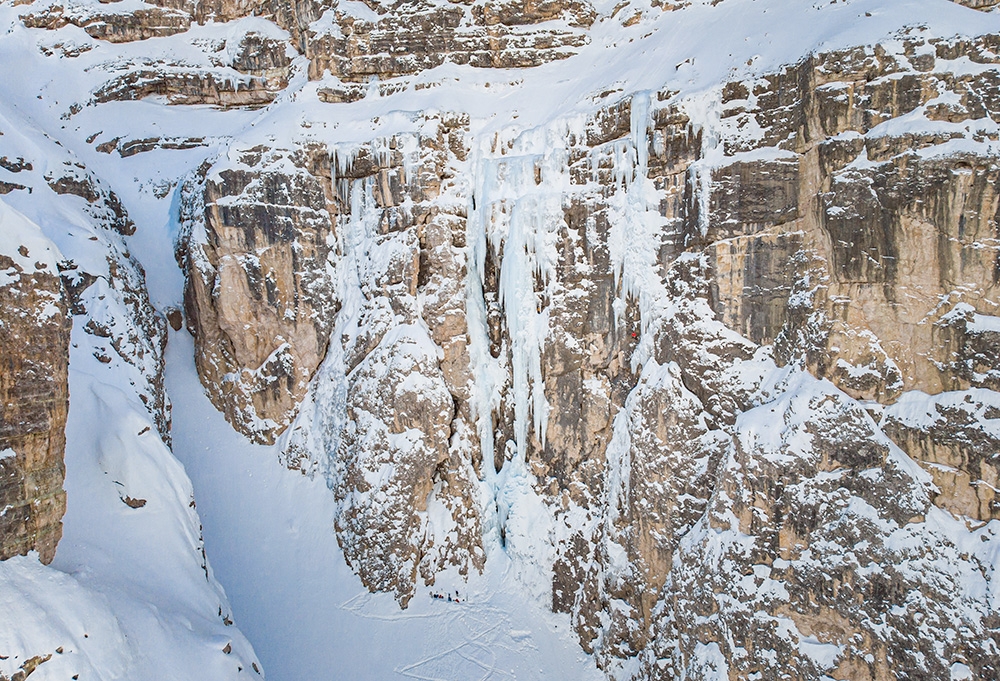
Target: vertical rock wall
[[361, 248], [34, 391], [718, 373], [257, 295]]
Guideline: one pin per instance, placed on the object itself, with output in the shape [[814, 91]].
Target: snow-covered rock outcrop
[[672, 305], [701, 334]]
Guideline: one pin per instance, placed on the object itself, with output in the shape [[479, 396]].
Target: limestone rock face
[[795, 509], [885, 285], [389, 39], [985, 5], [259, 299], [104, 23], [404, 461], [41, 294], [882, 230], [846, 250], [954, 435], [405, 38], [294, 16], [186, 86], [72, 293], [351, 42], [710, 353], [102, 204], [34, 390], [361, 248], [246, 69], [719, 372]]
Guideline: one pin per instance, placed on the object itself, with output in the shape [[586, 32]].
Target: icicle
[[702, 178], [639, 120], [624, 163], [344, 159], [707, 108], [636, 233], [517, 209], [409, 147]]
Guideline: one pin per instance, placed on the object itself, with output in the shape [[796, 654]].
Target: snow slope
[[270, 536]]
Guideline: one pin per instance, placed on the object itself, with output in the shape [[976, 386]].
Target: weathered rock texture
[[352, 43], [889, 238], [852, 251], [104, 23], [404, 461], [362, 248], [387, 40], [258, 297], [416, 36], [34, 391], [246, 70], [723, 369], [955, 435]]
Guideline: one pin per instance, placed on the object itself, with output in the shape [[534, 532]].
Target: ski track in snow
[[479, 628], [445, 657]]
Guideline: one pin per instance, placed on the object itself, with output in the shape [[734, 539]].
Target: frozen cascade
[[517, 211], [639, 119], [485, 399], [637, 232], [705, 108], [518, 207]]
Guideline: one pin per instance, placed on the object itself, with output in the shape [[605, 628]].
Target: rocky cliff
[[739, 348], [34, 394], [711, 350], [42, 291]]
